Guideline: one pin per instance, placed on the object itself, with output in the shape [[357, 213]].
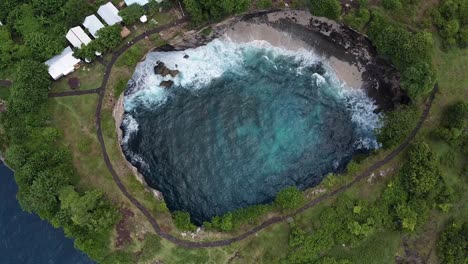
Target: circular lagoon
[[229, 124]]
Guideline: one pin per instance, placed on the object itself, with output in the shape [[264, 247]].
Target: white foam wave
[[208, 62], [131, 127], [203, 64]]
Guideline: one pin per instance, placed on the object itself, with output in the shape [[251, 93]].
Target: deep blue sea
[[240, 123], [25, 238]]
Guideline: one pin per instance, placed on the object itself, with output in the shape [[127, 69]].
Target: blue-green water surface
[[270, 120]]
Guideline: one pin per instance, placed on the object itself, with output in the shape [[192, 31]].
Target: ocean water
[[25, 238], [241, 122]]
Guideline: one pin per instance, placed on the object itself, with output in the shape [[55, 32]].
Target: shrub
[[182, 221], [326, 8], [131, 13], [452, 243], [391, 4], [397, 126], [358, 19], [289, 198], [151, 247]]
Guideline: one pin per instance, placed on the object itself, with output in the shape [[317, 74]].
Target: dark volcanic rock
[[162, 70], [167, 84], [186, 56]]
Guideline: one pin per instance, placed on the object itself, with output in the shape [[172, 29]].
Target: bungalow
[[77, 37], [110, 14], [62, 64], [93, 24]]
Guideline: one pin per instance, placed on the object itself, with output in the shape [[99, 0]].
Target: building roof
[[110, 14], [93, 24], [140, 2], [62, 64], [78, 37]]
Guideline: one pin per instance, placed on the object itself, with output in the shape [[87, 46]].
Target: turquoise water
[[242, 122]]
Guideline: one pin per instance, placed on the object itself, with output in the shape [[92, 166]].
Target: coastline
[[117, 114], [352, 62]]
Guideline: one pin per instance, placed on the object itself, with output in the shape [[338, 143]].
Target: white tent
[[78, 37], [110, 14], [140, 2], [62, 64], [93, 24]]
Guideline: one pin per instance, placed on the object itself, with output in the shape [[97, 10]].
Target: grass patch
[[132, 56], [90, 76], [120, 87], [379, 248], [4, 93]]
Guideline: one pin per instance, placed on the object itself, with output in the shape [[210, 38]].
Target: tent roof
[[93, 24], [62, 64], [140, 2], [109, 13], [78, 37]]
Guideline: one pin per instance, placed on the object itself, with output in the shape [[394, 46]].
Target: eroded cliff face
[[348, 51]]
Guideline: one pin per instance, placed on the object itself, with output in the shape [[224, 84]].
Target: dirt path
[[75, 93], [267, 223], [5, 83]]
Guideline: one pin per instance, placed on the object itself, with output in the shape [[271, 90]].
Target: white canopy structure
[[62, 64], [93, 24], [140, 2], [110, 14], [77, 37]]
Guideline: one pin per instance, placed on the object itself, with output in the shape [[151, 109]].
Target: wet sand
[[243, 31]]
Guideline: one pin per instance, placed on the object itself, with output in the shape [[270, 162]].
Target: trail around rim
[[267, 223]]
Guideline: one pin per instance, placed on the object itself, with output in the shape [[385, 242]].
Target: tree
[[23, 20], [326, 8], [108, 37], [289, 198], [182, 221], [90, 210], [75, 11], [47, 7], [391, 4], [16, 156], [408, 217], [10, 52], [30, 87], [131, 13], [204, 10], [420, 172], [418, 79], [43, 46], [397, 126], [452, 245]]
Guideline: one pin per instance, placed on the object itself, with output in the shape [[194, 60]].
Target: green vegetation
[[52, 146], [397, 124], [452, 244], [203, 11], [132, 13], [410, 52], [404, 205], [289, 198], [182, 221], [451, 20], [264, 4], [326, 8], [358, 18], [131, 57], [44, 169]]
